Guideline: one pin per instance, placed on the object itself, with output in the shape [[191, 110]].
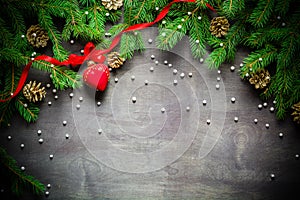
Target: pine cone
[[114, 60], [33, 92], [219, 26], [296, 113], [112, 4], [37, 36], [260, 79]]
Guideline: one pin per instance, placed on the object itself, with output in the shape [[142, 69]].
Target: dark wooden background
[[223, 160]]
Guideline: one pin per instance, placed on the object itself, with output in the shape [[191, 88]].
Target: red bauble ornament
[[96, 76]]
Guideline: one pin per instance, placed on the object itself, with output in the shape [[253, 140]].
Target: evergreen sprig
[[20, 181]]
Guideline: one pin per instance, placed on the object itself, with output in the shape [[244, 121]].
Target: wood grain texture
[[235, 164]]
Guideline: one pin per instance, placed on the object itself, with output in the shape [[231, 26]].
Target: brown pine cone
[[33, 92], [260, 79], [112, 4], [37, 36], [296, 113], [114, 60], [219, 26]]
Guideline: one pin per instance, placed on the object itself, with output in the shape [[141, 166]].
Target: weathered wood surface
[[143, 153]]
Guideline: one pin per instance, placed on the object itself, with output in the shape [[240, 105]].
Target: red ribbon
[[97, 55]]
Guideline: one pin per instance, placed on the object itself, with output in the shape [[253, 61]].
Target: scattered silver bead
[[55, 97], [218, 78], [165, 62], [219, 71], [272, 109], [170, 65], [182, 19], [152, 56], [297, 156], [51, 157], [133, 99], [260, 59], [151, 69], [132, 77], [9, 137], [236, 119], [156, 8], [99, 130], [199, 17], [283, 24], [278, 17], [201, 60], [64, 123], [146, 82], [72, 41], [110, 69], [189, 13], [47, 193], [232, 68], [48, 85], [175, 82], [116, 80], [175, 71], [232, 99], [272, 176], [67, 136], [204, 102], [54, 91], [80, 98], [267, 125], [182, 75], [188, 108], [25, 105], [150, 41], [49, 185], [274, 102], [86, 12], [280, 135], [217, 86], [98, 103], [190, 74], [49, 103], [265, 104], [23, 168], [82, 51], [22, 36], [241, 65], [247, 75], [260, 106], [208, 121], [156, 62], [39, 132], [163, 110], [163, 34], [255, 121], [164, 22], [41, 140], [78, 106], [197, 41], [179, 26], [221, 44], [106, 14], [71, 94]]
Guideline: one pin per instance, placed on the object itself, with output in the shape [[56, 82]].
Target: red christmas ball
[[96, 76]]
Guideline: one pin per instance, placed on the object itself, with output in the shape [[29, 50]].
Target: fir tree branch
[[28, 111], [261, 13], [19, 179]]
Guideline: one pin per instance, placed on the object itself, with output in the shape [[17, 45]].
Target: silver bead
[[47, 193], [163, 34], [201, 60], [71, 94], [54, 91], [217, 86], [116, 80], [72, 41], [150, 41], [204, 102], [188, 108], [106, 14], [221, 44], [51, 157], [133, 99], [267, 125], [236, 119], [280, 135], [241, 64], [22, 145], [283, 24], [156, 8], [22, 36], [99, 130], [190, 74], [232, 68], [9, 137], [164, 22], [182, 75], [86, 12], [55, 97], [25, 105], [189, 13], [260, 106], [48, 85], [163, 110], [156, 62], [23, 168], [199, 17], [78, 106], [232, 99], [80, 98], [175, 82], [255, 121], [49, 103], [170, 65], [265, 104], [274, 102], [260, 59], [151, 69], [146, 82], [272, 176], [64, 123], [179, 26], [49, 185], [152, 57], [82, 51], [132, 77], [174, 71], [165, 62], [219, 71], [67, 136], [272, 109], [208, 121], [41, 140], [218, 79], [297, 156], [98, 103], [197, 41]]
